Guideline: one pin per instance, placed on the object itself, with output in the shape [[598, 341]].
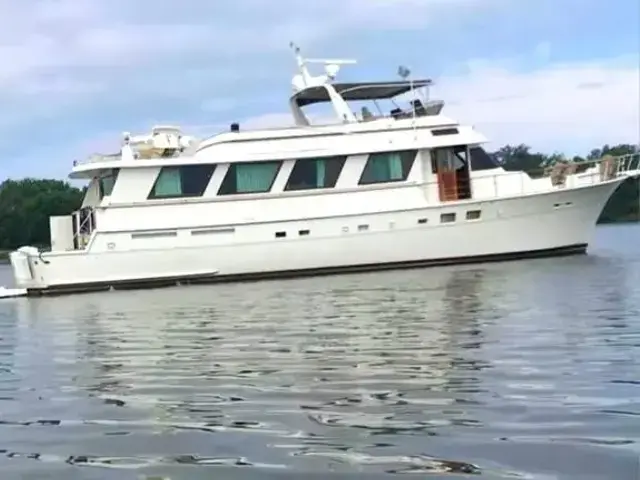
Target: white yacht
[[402, 187]]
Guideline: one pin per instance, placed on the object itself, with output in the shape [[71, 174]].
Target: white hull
[[552, 223], [12, 292]]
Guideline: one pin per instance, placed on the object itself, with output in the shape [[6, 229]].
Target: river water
[[525, 369]]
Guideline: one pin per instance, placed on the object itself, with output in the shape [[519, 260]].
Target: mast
[[304, 80]]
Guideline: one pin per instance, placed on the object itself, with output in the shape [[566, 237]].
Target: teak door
[[446, 174], [448, 186]]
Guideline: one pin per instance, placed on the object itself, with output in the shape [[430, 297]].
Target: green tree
[[520, 157], [25, 207], [624, 204]]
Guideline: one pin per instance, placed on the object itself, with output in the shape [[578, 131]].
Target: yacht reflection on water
[[370, 370], [436, 322], [349, 328]]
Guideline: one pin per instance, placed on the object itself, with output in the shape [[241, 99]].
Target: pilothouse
[[381, 186]]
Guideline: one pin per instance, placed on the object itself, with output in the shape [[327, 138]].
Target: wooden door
[[448, 186], [446, 175]]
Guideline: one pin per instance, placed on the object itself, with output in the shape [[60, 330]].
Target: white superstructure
[[403, 187]]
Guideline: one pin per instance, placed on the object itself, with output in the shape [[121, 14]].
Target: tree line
[[27, 204]]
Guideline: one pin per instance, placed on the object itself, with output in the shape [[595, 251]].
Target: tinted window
[[448, 159], [444, 131], [107, 182], [182, 181], [388, 167], [312, 173], [249, 177], [481, 160]]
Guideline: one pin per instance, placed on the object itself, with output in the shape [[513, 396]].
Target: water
[[515, 370]]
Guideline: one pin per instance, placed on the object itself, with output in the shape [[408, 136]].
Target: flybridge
[[309, 89]]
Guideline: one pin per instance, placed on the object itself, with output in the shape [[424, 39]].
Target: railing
[[602, 169], [148, 154], [558, 176], [628, 163], [365, 115], [85, 226], [98, 157]]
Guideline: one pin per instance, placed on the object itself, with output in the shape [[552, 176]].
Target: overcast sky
[[555, 74]]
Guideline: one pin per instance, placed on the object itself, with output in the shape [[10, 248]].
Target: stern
[[23, 267]]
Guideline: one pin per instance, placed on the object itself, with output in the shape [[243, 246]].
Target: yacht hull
[[560, 222]]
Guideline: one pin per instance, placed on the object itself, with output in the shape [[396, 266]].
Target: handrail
[[558, 176], [623, 163], [628, 162], [98, 157], [80, 237]]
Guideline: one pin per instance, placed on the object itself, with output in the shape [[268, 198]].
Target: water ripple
[[518, 370]]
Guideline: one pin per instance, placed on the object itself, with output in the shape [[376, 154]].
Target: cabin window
[[213, 231], [481, 160], [182, 181], [448, 159], [107, 182], [249, 177], [473, 214], [310, 173], [444, 131], [388, 167], [447, 217], [157, 234]]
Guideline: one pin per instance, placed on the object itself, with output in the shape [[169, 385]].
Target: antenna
[[303, 61], [296, 51], [304, 79], [405, 73], [334, 61]]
